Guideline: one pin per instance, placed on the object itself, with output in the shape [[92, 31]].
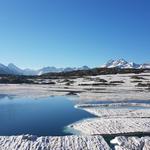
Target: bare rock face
[[131, 143], [30, 142]]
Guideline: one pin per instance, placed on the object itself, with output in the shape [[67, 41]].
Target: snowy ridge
[[121, 63], [13, 69]]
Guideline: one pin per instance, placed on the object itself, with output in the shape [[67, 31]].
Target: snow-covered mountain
[[48, 69], [6, 70], [121, 63], [13, 69], [145, 66], [54, 69]]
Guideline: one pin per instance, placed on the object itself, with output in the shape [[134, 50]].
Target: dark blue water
[[42, 117]]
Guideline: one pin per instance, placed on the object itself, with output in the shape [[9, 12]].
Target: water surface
[[42, 117]]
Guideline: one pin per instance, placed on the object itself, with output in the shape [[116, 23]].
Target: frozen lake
[[42, 117]]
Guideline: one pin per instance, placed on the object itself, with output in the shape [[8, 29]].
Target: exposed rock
[[138, 78], [118, 82], [97, 79], [143, 84], [72, 93]]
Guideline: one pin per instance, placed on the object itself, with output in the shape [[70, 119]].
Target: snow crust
[[105, 126], [134, 118], [88, 92], [122, 63], [30, 142], [131, 143], [129, 110], [111, 119]]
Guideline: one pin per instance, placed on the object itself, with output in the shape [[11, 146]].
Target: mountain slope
[[14, 70], [145, 66], [6, 70], [121, 63]]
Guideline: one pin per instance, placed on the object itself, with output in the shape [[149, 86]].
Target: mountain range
[[120, 63], [13, 69]]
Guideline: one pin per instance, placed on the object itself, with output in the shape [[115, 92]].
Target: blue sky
[[37, 33]]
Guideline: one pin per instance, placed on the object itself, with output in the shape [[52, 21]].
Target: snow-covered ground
[[131, 143], [129, 110], [126, 118], [108, 126], [87, 88], [27, 142], [111, 118]]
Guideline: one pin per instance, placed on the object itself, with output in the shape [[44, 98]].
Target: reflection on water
[[46, 116], [2, 96]]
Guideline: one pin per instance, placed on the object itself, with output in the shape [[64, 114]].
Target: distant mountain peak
[[119, 63], [12, 66], [122, 63], [15, 69]]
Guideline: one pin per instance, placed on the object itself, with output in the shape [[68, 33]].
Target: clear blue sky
[[37, 33]]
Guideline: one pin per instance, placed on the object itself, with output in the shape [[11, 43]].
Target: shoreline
[[86, 90], [126, 93]]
